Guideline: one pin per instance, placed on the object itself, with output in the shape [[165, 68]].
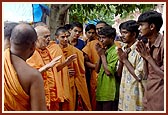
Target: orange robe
[[56, 84], [78, 81], [15, 98], [90, 50]]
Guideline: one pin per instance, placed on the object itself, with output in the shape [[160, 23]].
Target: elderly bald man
[[55, 78]]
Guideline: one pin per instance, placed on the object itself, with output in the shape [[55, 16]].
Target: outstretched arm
[[50, 65], [69, 59]]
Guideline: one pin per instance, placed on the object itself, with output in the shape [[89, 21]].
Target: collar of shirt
[[111, 48], [157, 41], [128, 50]]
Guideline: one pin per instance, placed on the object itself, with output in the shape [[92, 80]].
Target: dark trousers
[[107, 105]]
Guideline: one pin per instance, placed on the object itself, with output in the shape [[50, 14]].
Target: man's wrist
[[103, 56], [148, 57], [124, 61]]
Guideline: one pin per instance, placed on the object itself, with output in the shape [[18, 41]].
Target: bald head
[[41, 30], [43, 34], [41, 24], [23, 35]]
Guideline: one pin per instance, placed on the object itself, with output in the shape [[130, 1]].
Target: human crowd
[[102, 71]]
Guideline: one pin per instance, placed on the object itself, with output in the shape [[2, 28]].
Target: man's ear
[[33, 46], [134, 34], [56, 37], [152, 26], [70, 30]]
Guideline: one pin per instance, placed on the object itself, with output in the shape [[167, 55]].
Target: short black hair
[[89, 27], [67, 26], [101, 22], [76, 24], [108, 31], [131, 26], [8, 27], [152, 17], [60, 29]]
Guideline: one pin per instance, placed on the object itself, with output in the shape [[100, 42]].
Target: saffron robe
[[15, 98], [56, 84], [90, 50], [78, 81]]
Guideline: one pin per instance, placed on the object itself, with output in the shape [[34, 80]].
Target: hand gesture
[[71, 58], [50, 64], [71, 72], [142, 49], [122, 55], [99, 49], [54, 61]]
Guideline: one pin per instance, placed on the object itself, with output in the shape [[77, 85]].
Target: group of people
[[99, 72]]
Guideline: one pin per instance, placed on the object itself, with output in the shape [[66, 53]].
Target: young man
[[76, 30], [23, 85], [78, 88], [100, 25], [91, 57], [55, 78], [153, 53], [90, 32], [130, 69], [107, 85]]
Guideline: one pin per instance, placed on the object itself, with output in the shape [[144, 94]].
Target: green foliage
[[85, 12], [106, 12]]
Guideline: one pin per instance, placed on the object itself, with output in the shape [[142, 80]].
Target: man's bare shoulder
[[32, 71], [23, 68], [25, 71], [27, 75]]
